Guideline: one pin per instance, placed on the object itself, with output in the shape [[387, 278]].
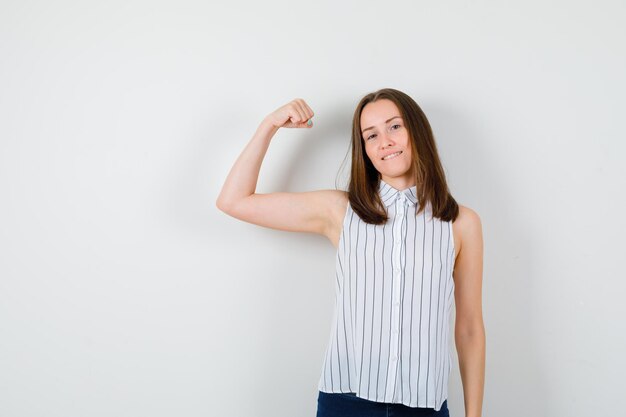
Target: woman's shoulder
[[466, 215], [339, 203], [341, 197], [333, 202], [467, 226]]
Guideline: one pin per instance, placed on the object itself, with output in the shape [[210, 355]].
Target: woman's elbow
[[223, 205]]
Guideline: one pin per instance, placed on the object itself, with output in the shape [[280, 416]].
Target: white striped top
[[389, 339]]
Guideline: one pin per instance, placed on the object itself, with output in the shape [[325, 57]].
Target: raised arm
[[312, 211]]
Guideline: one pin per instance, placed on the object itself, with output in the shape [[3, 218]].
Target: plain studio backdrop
[[124, 291]]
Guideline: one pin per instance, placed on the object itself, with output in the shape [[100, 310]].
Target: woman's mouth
[[391, 156]]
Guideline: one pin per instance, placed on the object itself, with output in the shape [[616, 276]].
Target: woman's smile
[[391, 156]]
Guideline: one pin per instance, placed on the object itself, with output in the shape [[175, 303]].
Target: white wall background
[[125, 292]]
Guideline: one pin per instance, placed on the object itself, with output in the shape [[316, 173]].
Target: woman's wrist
[[268, 126]]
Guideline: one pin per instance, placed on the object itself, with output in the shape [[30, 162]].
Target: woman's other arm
[[299, 212], [469, 330]]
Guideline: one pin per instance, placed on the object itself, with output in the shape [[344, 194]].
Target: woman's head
[[388, 123], [386, 142]]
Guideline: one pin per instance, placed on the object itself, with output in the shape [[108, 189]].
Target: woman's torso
[[389, 339]]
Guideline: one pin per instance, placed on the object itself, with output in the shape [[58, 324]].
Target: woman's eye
[[395, 126], [371, 136]]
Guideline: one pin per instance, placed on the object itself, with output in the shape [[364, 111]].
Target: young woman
[[404, 246]]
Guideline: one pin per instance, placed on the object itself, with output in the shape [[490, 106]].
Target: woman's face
[[386, 142]]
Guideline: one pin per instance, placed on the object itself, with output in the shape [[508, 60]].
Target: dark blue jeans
[[349, 405]]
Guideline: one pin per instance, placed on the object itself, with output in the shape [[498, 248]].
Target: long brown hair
[[430, 180]]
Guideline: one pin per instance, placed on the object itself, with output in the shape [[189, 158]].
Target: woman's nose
[[386, 140]]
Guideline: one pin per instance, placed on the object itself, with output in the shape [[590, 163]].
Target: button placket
[[397, 281]]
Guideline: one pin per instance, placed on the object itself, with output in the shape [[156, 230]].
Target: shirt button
[[395, 331], [396, 270], [397, 303], [394, 358]]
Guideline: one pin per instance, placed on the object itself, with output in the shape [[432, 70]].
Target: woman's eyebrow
[[386, 121]]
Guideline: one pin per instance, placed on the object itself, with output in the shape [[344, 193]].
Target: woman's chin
[[392, 173]]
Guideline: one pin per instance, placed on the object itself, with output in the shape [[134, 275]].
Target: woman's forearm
[[243, 176], [242, 179], [471, 351]]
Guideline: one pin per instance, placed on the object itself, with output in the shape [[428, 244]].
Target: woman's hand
[[296, 114]]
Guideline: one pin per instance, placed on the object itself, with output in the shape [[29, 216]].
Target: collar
[[388, 194]]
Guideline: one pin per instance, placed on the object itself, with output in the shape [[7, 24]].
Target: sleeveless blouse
[[389, 339]]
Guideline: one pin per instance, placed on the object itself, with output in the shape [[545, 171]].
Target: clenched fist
[[296, 114]]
